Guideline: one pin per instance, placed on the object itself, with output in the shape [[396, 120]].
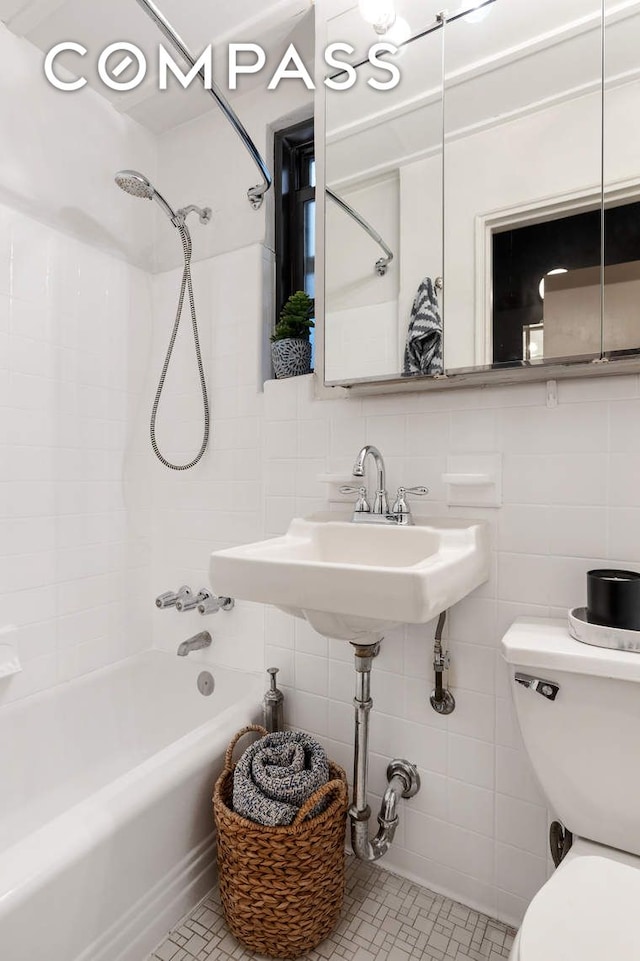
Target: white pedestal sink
[[356, 581]]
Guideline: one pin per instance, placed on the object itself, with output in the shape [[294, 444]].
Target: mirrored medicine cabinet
[[482, 219]]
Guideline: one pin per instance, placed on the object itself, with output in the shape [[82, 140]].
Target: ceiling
[[97, 23]]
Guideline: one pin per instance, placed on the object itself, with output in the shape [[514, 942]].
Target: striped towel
[[423, 351], [276, 775]]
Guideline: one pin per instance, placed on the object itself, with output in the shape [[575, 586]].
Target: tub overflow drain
[[206, 683]]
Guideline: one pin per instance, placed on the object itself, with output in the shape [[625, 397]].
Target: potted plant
[[290, 346]]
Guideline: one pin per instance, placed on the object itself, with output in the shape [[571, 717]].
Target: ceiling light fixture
[[399, 32], [381, 14]]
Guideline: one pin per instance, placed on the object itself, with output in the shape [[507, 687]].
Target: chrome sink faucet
[[381, 502], [400, 514]]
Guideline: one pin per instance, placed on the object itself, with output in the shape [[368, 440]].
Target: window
[[295, 192]]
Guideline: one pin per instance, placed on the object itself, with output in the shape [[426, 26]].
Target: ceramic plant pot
[[291, 357]]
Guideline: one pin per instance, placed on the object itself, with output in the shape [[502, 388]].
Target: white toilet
[[579, 713]]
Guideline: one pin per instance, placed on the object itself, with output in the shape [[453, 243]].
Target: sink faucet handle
[[362, 504], [400, 505]]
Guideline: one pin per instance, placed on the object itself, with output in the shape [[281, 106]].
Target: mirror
[[488, 176], [621, 174], [523, 140], [383, 228]]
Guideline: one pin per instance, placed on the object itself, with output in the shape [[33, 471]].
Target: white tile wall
[[74, 328], [219, 503], [478, 829]]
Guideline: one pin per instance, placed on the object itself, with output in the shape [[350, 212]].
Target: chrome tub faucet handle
[[169, 599], [210, 603]]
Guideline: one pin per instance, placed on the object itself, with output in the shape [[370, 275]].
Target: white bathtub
[[105, 806]]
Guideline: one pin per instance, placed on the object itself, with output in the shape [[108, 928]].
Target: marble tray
[[597, 635]]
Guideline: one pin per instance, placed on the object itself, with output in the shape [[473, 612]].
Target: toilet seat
[[587, 911]]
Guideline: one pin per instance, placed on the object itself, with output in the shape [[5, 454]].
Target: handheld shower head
[[137, 185], [134, 183]]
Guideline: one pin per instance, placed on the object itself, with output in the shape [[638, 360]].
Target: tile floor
[[385, 918]]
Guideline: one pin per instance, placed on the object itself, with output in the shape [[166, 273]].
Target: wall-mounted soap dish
[[473, 480], [598, 635]]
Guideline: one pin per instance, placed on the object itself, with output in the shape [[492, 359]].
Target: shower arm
[[382, 264], [255, 194]]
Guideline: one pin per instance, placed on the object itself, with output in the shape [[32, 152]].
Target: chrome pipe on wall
[[402, 776], [255, 194]]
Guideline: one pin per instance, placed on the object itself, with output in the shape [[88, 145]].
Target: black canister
[[613, 599]]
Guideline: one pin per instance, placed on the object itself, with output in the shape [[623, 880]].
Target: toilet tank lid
[[542, 643], [588, 910]]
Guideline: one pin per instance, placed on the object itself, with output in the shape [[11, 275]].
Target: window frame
[[294, 147]]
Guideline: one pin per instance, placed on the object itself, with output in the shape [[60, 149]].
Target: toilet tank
[[584, 745]]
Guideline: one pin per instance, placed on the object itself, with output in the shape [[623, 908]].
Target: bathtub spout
[[195, 643]]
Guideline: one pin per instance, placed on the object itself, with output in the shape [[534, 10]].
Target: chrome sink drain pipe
[[403, 777]]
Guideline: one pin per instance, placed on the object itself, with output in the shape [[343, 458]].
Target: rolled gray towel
[[276, 775]]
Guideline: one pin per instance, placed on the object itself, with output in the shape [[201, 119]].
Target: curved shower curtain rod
[[382, 264], [255, 194]]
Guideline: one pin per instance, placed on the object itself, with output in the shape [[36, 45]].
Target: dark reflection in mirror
[[546, 285]]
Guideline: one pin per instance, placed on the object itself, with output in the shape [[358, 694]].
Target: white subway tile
[[308, 641], [623, 439], [427, 434], [519, 872], [279, 627], [312, 674], [624, 534], [387, 433], [471, 807], [514, 776], [524, 529], [524, 577], [282, 658], [281, 438], [475, 431], [577, 479], [578, 531], [471, 760], [521, 824], [341, 683], [472, 667], [582, 390], [624, 480], [474, 715]]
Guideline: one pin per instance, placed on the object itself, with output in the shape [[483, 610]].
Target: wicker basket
[[281, 887]]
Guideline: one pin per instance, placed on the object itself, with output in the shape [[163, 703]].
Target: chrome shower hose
[[185, 286]]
